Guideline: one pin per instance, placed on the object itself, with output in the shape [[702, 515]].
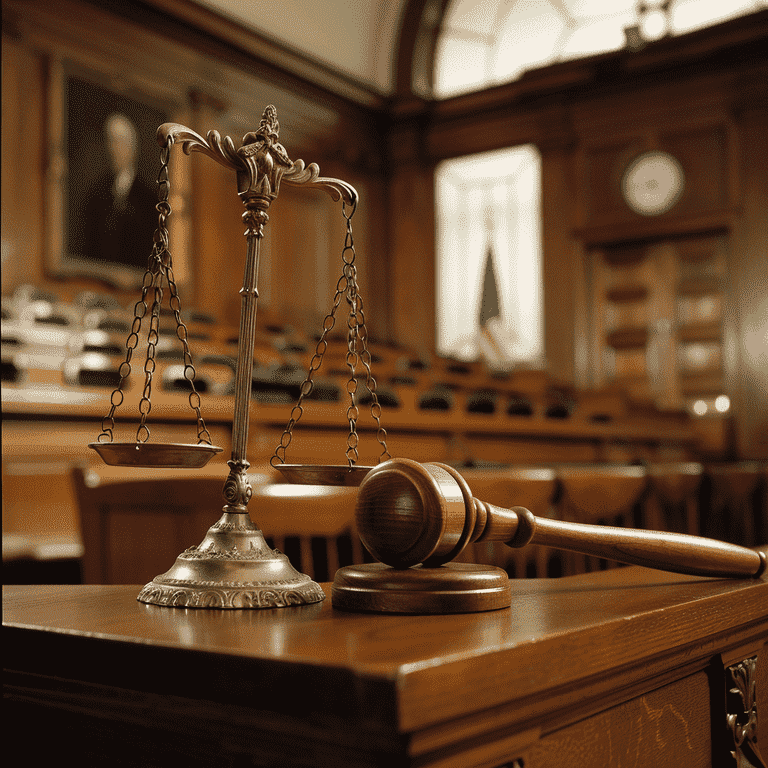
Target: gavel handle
[[676, 552]]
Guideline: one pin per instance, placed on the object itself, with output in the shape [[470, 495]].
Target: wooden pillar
[[218, 245], [27, 163], [748, 343], [411, 277], [564, 308]]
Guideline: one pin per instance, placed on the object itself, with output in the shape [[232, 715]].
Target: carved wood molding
[[267, 52], [741, 717]]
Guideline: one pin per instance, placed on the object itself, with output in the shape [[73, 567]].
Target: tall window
[[485, 42], [489, 257]]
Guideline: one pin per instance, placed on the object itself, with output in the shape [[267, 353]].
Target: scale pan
[[323, 474], [170, 455]]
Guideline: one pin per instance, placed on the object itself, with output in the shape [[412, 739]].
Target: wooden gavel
[[409, 513]]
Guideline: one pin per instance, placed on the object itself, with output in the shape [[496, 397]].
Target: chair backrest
[[732, 507], [314, 525], [674, 498], [599, 493], [529, 487], [133, 530]]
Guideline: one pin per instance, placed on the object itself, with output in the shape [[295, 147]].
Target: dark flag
[[489, 304], [489, 308]]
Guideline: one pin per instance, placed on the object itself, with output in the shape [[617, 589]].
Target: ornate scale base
[[232, 568], [449, 588]]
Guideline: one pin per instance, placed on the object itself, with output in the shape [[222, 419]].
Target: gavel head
[[409, 513]]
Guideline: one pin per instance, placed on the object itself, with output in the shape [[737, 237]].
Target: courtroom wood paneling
[[745, 334], [668, 727], [133, 51], [562, 268], [658, 319], [598, 668], [23, 179], [589, 118], [411, 218]]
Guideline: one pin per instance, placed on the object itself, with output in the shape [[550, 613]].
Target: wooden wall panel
[[562, 269], [703, 152], [202, 90], [24, 161], [605, 165], [746, 322], [412, 260]]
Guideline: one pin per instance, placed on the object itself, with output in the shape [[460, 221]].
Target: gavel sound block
[[415, 518]]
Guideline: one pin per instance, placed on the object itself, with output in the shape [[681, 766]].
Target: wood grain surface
[[454, 690]]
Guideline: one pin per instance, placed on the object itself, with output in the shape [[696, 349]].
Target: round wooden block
[[449, 588]]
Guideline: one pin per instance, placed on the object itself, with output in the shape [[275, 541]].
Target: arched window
[[486, 42]]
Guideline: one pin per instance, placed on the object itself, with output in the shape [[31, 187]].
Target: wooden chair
[[133, 530], [599, 494], [674, 497], [314, 525], [732, 507], [506, 487]]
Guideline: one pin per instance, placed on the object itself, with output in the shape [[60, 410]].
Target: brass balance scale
[[415, 519], [233, 567]]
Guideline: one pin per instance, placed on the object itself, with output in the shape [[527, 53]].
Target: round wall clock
[[652, 183]]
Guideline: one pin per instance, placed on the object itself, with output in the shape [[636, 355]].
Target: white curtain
[[490, 202]]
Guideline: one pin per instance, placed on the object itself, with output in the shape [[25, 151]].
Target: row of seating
[[134, 529], [728, 502], [84, 342]]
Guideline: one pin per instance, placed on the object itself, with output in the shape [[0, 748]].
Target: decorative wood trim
[[663, 226], [280, 58], [408, 39], [741, 717], [508, 113]]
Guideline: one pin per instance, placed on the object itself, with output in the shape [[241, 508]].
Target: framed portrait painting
[[108, 190]]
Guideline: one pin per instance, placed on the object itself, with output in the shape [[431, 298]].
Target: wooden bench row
[[133, 529]]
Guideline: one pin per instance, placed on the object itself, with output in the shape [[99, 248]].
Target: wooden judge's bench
[[626, 667]]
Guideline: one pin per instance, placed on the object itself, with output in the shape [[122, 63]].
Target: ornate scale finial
[[265, 139], [269, 128]]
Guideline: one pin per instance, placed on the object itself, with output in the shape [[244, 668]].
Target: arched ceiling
[[356, 37]]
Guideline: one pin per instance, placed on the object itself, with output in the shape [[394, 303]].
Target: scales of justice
[[413, 518]]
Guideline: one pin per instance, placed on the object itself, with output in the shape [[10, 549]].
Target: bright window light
[[699, 407], [723, 403], [487, 42], [490, 204], [654, 24]]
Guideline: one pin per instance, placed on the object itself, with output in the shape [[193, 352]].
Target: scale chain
[[370, 383], [203, 435], [159, 266], [153, 335], [352, 357], [357, 336]]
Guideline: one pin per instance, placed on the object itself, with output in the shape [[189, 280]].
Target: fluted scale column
[[263, 162], [249, 297], [237, 490]]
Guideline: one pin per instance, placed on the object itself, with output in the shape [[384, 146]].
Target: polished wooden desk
[[627, 667]]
